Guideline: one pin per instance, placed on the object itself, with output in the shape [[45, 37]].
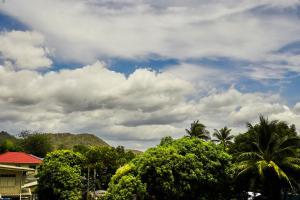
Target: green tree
[[188, 168], [166, 140], [105, 161], [9, 145], [8, 142], [271, 159], [124, 185], [124, 156], [223, 136], [80, 148], [60, 176], [198, 130], [241, 142], [36, 143]]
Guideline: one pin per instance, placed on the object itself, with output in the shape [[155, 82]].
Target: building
[[20, 159], [12, 181], [17, 175]]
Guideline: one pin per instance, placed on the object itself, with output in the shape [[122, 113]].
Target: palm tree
[[198, 130], [273, 160], [223, 136]]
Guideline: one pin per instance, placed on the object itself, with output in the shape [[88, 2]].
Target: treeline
[[33, 143], [39, 144], [264, 160], [201, 165], [70, 174]]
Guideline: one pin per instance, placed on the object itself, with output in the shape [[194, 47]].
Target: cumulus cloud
[[93, 98], [297, 108], [139, 108], [235, 108], [204, 78], [23, 50], [131, 110]]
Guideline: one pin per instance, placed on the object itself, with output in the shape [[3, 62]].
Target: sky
[[134, 71]]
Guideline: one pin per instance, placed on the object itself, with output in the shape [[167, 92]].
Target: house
[[20, 159], [17, 174], [12, 179]]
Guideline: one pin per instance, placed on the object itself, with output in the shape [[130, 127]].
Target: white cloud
[[133, 111], [87, 30], [138, 109], [205, 78], [93, 98], [297, 108], [24, 49], [234, 108]]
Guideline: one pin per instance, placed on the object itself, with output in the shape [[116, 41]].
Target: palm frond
[[249, 126], [280, 173], [187, 131], [245, 167], [230, 137], [261, 165], [292, 141], [256, 148], [293, 160], [285, 152], [249, 156]]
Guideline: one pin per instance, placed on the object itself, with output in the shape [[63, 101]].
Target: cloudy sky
[[133, 71]]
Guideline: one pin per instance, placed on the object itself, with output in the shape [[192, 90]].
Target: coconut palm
[[223, 136], [273, 160], [198, 130]]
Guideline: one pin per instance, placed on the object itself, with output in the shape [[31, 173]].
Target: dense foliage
[[188, 168], [60, 176], [36, 143], [68, 175], [33, 143], [8, 142], [105, 161], [265, 160], [269, 158]]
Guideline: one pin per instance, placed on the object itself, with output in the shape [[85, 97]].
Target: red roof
[[19, 158]]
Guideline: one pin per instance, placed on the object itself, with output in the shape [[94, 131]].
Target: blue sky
[[147, 69]]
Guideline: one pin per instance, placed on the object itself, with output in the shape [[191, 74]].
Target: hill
[[6, 136], [63, 140], [68, 140]]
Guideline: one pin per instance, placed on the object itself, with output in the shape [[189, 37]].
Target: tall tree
[[60, 176], [223, 136], [36, 144], [105, 161], [272, 159], [198, 130]]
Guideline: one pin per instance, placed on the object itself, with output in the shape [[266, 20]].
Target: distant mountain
[[63, 140], [68, 140]]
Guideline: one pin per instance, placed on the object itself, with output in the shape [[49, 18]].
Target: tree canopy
[[198, 130], [60, 176], [187, 168], [271, 158], [105, 161], [36, 143], [223, 136]]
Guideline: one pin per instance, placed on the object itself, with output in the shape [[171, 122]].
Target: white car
[[252, 195]]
